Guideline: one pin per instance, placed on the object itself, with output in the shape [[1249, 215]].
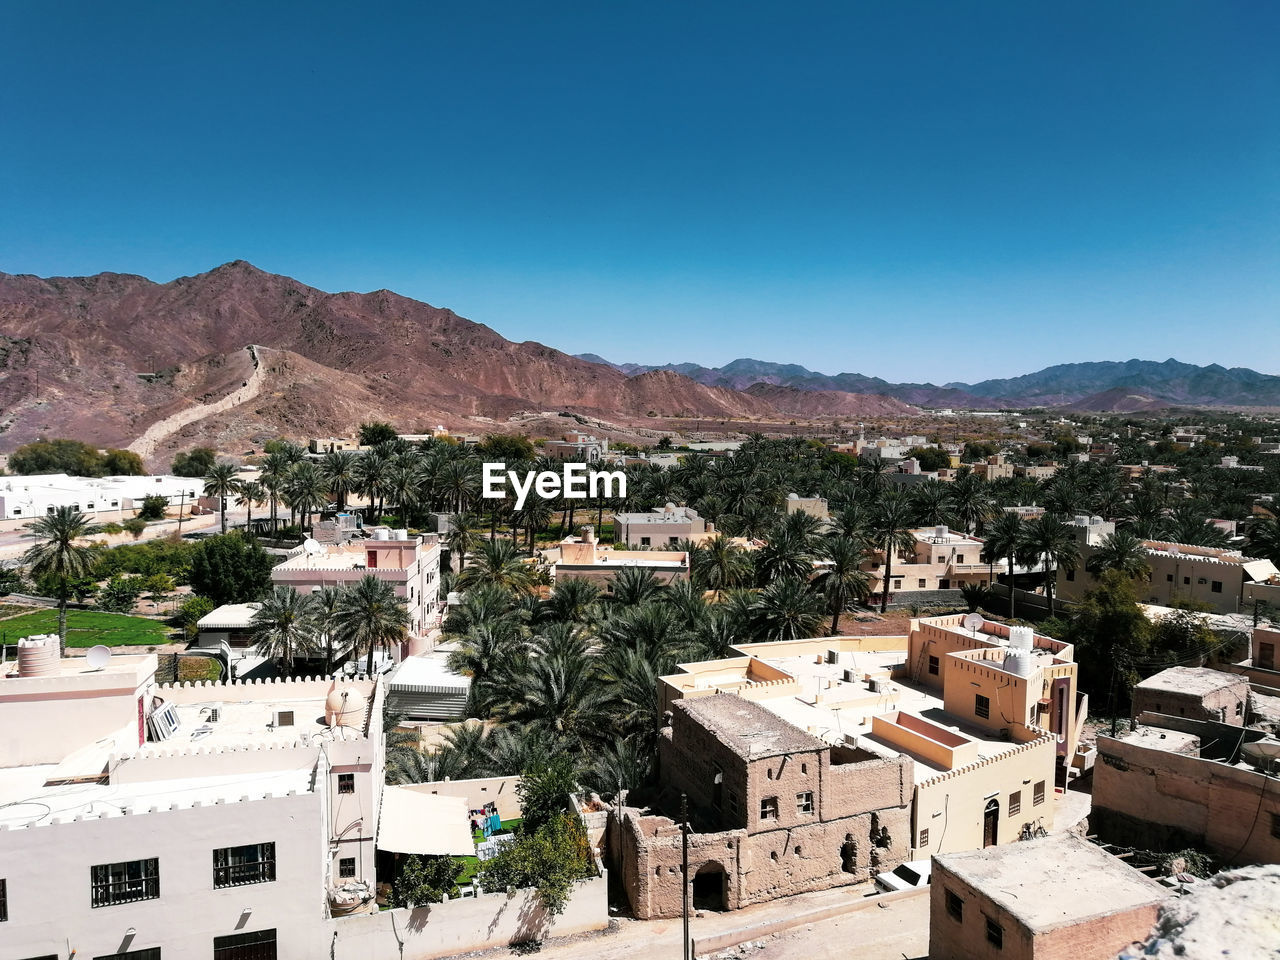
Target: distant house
[[577, 447], [659, 527], [940, 559], [585, 557]]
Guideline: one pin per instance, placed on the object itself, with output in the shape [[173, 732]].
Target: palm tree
[[498, 562], [891, 533], [1006, 540], [369, 616], [272, 476], [307, 490], [574, 600], [221, 483], [932, 503], [338, 467], [719, 564], [633, 586], [463, 536], [842, 578], [971, 502], [1120, 551], [250, 492], [57, 554], [1262, 535], [283, 627], [324, 606], [788, 609], [1052, 540], [371, 473]]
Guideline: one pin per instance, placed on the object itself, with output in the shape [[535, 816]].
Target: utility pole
[[684, 868]]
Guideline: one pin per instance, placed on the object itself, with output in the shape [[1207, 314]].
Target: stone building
[[1195, 692], [775, 811], [1057, 898]]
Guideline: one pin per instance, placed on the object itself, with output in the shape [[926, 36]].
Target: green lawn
[[87, 628]]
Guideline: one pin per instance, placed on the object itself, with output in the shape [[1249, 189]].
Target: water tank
[[382, 533], [1081, 520], [400, 534], [1021, 638], [940, 531], [1017, 662], [345, 707], [38, 656]]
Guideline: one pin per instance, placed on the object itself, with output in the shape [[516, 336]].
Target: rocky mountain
[[107, 358], [813, 404], [1170, 383]]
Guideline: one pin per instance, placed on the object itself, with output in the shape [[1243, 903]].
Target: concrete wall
[[48, 880], [1097, 938], [1228, 704], [1153, 798], [461, 926]]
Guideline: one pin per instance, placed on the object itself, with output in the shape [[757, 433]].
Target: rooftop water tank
[[38, 656], [400, 534], [382, 533], [1017, 662], [940, 531], [345, 707], [1021, 638]]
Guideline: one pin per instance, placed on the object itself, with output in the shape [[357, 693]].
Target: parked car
[[905, 876]]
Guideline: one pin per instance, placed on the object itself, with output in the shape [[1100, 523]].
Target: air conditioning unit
[[833, 656], [215, 713], [282, 718], [873, 686], [850, 676]]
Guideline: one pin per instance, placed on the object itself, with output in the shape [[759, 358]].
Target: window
[[4, 901], [933, 665], [254, 863], [1071, 576], [1015, 803], [644, 541], [804, 802], [982, 706], [1169, 577], [1267, 656], [1186, 581], [1239, 708], [735, 807], [955, 907], [671, 540], [151, 953], [920, 583], [995, 934], [1216, 586], [924, 838], [1275, 825], [769, 808], [1037, 794], [347, 868], [260, 945], [125, 882], [346, 783], [897, 584], [959, 558]]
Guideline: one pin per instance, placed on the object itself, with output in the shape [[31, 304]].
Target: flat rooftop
[[746, 727], [1082, 882], [1195, 681], [833, 708], [253, 722], [1159, 738], [26, 801]]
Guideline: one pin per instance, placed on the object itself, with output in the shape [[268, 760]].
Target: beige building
[[1218, 577], [995, 467], [1185, 783], [814, 506], [940, 559], [1055, 898], [589, 559], [578, 447], [411, 564], [1195, 692], [776, 811], [990, 722], [661, 526]]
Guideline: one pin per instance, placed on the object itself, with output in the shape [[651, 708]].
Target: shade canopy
[[424, 823]]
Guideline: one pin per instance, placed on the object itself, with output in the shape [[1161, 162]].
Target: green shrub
[[425, 880], [153, 507], [135, 525], [119, 594], [112, 528], [549, 860]]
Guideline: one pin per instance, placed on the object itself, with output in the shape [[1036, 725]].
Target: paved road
[[899, 930]]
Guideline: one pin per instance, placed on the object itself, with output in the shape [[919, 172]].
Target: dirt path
[[146, 444]]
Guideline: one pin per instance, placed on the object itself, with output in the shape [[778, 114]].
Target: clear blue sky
[[943, 191]]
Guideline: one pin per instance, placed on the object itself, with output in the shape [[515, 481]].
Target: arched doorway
[[990, 821], [710, 887]]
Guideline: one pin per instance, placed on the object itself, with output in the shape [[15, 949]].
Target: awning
[[426, 823]]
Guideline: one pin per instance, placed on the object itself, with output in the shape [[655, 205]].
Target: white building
[[99, 498]]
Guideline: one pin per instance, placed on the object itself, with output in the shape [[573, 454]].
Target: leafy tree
[[544, 791], [194, 463], [1111, 634], [58, 555], [549, 860], [1263, 539], [230, 569], [122, 463], [153, 507], [119, 594], [424, 879], [976, 450], [930, 458], [505, 448], [192, 610], [375, 432], [11, 582], [57, 456]]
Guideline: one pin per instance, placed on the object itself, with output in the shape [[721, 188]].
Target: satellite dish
[[312, 547], [98, 657], [974, 622]]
